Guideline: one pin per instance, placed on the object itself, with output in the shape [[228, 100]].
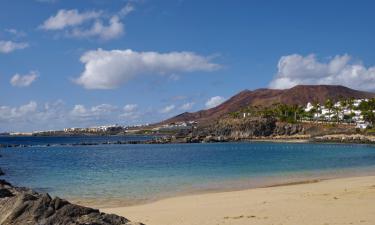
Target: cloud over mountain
[[187, 106], [214, 101], [167, 109], [340, 70]]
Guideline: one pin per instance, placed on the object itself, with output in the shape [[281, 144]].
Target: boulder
[[22, 206]]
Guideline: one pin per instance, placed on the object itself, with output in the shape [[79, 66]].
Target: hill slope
[[298, 95]]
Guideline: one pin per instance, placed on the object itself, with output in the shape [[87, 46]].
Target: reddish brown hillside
[[300, 95]]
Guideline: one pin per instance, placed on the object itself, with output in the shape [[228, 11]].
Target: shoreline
[[272, 181], [339, 138], [318, 202], [329, 139]]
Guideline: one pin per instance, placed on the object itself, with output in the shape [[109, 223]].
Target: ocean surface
[[129, 174]]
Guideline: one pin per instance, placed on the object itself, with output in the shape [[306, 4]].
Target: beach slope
[[338, 201]]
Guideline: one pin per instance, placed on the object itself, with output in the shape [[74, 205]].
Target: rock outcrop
[[346, 138], [22, 206], [288, 129], [238, 128], [249, 128]]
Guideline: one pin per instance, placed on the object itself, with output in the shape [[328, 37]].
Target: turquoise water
[[144, 172]]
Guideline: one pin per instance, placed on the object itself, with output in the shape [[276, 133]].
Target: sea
[[107, 175]]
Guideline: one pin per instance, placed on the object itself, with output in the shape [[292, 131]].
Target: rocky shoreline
[[346, 138], [23, 206], [332, 138], [245, 129]]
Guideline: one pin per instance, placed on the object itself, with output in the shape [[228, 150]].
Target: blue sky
[[69, 63]]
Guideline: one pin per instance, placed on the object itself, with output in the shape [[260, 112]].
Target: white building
[[327, 115], [362, 124], [309, 107]]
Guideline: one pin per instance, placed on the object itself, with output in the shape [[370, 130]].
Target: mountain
[[298, 95]]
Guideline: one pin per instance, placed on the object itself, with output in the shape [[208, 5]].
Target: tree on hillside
[[318, 109], [310, 114], [369, 116], [337, 110], [298, 112], [371, 104], [350, 102], [329, 105]]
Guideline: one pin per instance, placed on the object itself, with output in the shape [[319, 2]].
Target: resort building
[[341, 113]]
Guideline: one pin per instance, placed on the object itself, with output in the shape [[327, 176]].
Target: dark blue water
[[50, 140], [143, 172]]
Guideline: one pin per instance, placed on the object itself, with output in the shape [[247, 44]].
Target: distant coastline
[[164, 139]]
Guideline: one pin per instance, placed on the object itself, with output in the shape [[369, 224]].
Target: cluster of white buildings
[[175, 126], [324, 114], [93, 129]]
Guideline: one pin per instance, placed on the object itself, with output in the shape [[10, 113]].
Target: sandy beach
[[338, 201]]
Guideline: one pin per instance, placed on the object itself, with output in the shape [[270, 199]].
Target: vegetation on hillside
[[297, 113]]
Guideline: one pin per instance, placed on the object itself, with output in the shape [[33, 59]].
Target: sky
[[81, 63]]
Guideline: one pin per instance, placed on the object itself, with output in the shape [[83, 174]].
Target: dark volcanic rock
[[22, 206], [229, 129], [239, 128], [5, 193], [288, 129]]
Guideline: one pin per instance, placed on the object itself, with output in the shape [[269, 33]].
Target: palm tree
[[297, 111], [369, 116], [329, 105], [318, 110], [337, 111], [311, 113], [351, 103]]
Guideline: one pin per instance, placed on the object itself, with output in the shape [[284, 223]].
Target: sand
[[338, 201]]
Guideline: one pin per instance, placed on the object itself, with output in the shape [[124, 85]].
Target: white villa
[[326, 114]]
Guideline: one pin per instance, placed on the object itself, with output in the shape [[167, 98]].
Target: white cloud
[[113, 30], [81, 112], [53, 111], [130, 107], [89, 24], [130, 112], [67, 18], [187, 106], [23, 112], [109, 69], [31, 116], [24, 80], [128, 8], [103, 109], [214, 101], [167, 109], [15, 32], [340, 70], [10, 46]]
